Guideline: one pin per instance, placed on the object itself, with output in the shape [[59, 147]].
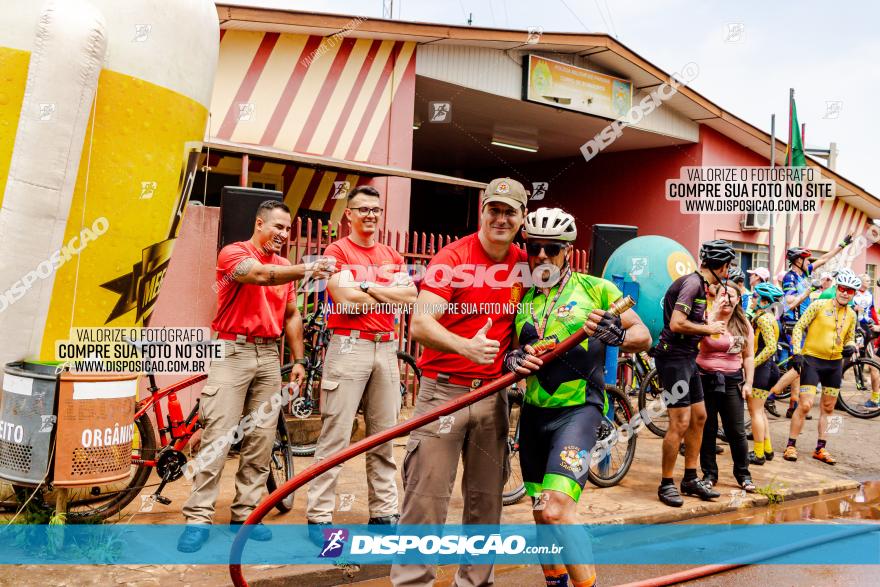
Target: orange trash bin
[[95, 428]]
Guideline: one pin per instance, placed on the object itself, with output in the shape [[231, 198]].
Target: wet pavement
[[633, 501]]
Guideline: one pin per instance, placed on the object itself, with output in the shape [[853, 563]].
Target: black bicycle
[[652, 407], [856, 388], [605, 471]]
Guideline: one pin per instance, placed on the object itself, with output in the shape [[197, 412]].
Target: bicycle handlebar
[[317, 468]]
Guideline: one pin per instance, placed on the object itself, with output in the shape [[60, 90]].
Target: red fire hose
[[401, 429]]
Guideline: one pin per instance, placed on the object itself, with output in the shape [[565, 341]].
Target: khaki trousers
[[478, 433], [367, 375], [242, 383]]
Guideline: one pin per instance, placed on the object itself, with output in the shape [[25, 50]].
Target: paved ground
[[634, 500]]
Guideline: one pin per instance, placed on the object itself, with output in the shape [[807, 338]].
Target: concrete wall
[[186, 299], [626, 187]]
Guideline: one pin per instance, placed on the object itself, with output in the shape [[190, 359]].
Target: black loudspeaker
[[606, 238], [238, 210]]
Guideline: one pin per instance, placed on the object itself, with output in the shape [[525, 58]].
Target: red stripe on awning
[[323, 98], [352, 97], [374, 101], [248, 84], [312, 190], [291, 89]]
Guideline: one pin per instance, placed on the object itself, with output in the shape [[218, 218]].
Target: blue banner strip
[[693, 544]]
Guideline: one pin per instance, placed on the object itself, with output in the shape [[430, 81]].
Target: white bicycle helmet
[[551, 223], [847, 278]]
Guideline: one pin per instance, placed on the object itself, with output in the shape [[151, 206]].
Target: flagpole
[[772, 249], [788, 154], [801, 241]]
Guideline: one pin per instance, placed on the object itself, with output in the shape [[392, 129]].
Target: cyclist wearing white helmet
[[830, 326], [565, 401]]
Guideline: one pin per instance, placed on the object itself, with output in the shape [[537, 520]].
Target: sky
[[749, 54]]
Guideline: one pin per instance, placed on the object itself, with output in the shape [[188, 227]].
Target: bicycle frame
[[162, 427]]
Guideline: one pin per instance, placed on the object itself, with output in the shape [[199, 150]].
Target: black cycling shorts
[[828, 372], [555, 446], [766, 375], [673, 371]]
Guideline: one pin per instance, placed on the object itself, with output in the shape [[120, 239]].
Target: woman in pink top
[[726, 364]]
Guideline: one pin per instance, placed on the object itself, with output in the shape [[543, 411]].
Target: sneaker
[[669, 495], [391, 520], [681, 449], [698, 488], [316, 532], [823, 455], [768, 455], [721, 435], [193, 538], [719, 449], [747, 484], [709, 481], [872, 405], [770, 406], [790, 453], [257, 532], [755, 459]]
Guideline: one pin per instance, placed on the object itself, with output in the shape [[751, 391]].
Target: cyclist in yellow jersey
[[766, 329], [830, 326]]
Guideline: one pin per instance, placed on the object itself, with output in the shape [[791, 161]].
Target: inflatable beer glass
[[103, 107]]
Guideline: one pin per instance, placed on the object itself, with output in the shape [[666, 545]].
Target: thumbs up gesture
[[480, 349]]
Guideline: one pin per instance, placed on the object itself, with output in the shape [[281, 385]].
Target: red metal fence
[[310, 237]]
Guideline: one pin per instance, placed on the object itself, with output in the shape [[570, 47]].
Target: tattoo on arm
[[243, 268], [271, 277]]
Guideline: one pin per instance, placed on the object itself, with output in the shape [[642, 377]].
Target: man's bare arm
[[427, 330], [638, 338], [253, 272], [679, 324], [402, 291]]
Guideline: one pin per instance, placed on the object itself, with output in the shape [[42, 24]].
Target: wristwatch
[[365, 286], [303, 361]]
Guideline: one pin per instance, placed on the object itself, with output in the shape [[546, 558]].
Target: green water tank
[[653, 262]]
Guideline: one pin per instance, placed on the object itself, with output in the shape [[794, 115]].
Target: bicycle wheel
[[410, 374], [620, 451], [304, 410], [651, 404], [855, 389], [281, 465], [94, 504], [514, 487]]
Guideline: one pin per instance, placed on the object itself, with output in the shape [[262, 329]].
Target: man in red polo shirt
[[256, 301], [465, 323], [361, 360]]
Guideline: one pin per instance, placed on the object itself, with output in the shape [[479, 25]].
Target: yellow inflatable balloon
[[103, 107]]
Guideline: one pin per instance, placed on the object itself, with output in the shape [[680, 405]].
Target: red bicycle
[[165, 454]]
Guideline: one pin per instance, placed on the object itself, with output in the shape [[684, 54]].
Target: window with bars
[[751, 255]]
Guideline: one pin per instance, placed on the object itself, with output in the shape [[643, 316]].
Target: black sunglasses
[[534, 249]]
